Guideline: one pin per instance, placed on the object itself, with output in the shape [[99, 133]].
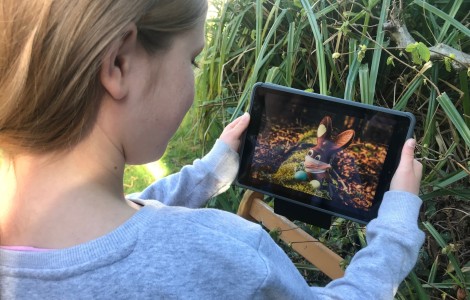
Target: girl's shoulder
[[214, 223]]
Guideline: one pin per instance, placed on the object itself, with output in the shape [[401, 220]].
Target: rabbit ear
[[344, 139], [324, 130]]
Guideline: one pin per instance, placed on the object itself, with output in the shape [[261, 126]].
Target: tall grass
[[341, 48]]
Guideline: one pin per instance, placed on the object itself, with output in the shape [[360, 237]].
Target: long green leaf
[[274, 12], [442, 286], [291, 43], [364, 84], [455, 117], [461, 193], [430, 126], [441, 166], [443, 16], [259, 25], [403, 101], [432, 273], [452, 13], [318, 47], [217, 40], [353, 70], [326, 10], [443, 245], [379, 40], [226, 45], [273, 75], [463, 78], [450, 179], [259, 62], [418, 287]]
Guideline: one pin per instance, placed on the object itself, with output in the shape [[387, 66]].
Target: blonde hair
[[50, 56]]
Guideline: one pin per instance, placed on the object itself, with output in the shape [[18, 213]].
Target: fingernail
[[411, 143]]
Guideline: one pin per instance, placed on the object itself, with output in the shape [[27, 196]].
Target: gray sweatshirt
[[174, 252]]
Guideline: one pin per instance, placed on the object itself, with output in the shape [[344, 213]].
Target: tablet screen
[[329, 154]]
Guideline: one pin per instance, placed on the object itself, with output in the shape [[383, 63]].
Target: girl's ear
[[117, 62]]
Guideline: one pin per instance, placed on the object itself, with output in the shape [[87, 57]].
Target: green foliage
[[448, 62], [341, 48], [136, 179], [419, 52], [361, 53]]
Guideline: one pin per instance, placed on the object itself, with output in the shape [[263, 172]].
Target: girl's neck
[[57, 201]]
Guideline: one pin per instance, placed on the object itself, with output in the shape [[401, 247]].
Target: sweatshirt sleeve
[[195, 184], [375, 272], [394, 240]]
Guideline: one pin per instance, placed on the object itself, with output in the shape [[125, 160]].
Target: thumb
[[407, 177], [407, 154], [240, 124]]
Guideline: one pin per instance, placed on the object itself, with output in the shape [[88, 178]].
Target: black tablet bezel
[[405, 123]]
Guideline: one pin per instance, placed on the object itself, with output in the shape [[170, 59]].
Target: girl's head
[[51, 55]]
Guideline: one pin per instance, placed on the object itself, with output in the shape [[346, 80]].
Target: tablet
[[319, 153]]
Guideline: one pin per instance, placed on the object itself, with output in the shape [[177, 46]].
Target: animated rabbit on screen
[[318, 159]]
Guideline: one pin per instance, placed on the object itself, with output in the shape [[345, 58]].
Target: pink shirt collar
[[24, 248]]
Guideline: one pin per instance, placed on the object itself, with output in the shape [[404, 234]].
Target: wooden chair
[[254, 209]]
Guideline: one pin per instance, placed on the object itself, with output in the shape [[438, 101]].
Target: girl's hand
[[407, 177], [233, 131]]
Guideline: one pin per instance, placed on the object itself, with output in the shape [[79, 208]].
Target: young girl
[[87, 86]]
